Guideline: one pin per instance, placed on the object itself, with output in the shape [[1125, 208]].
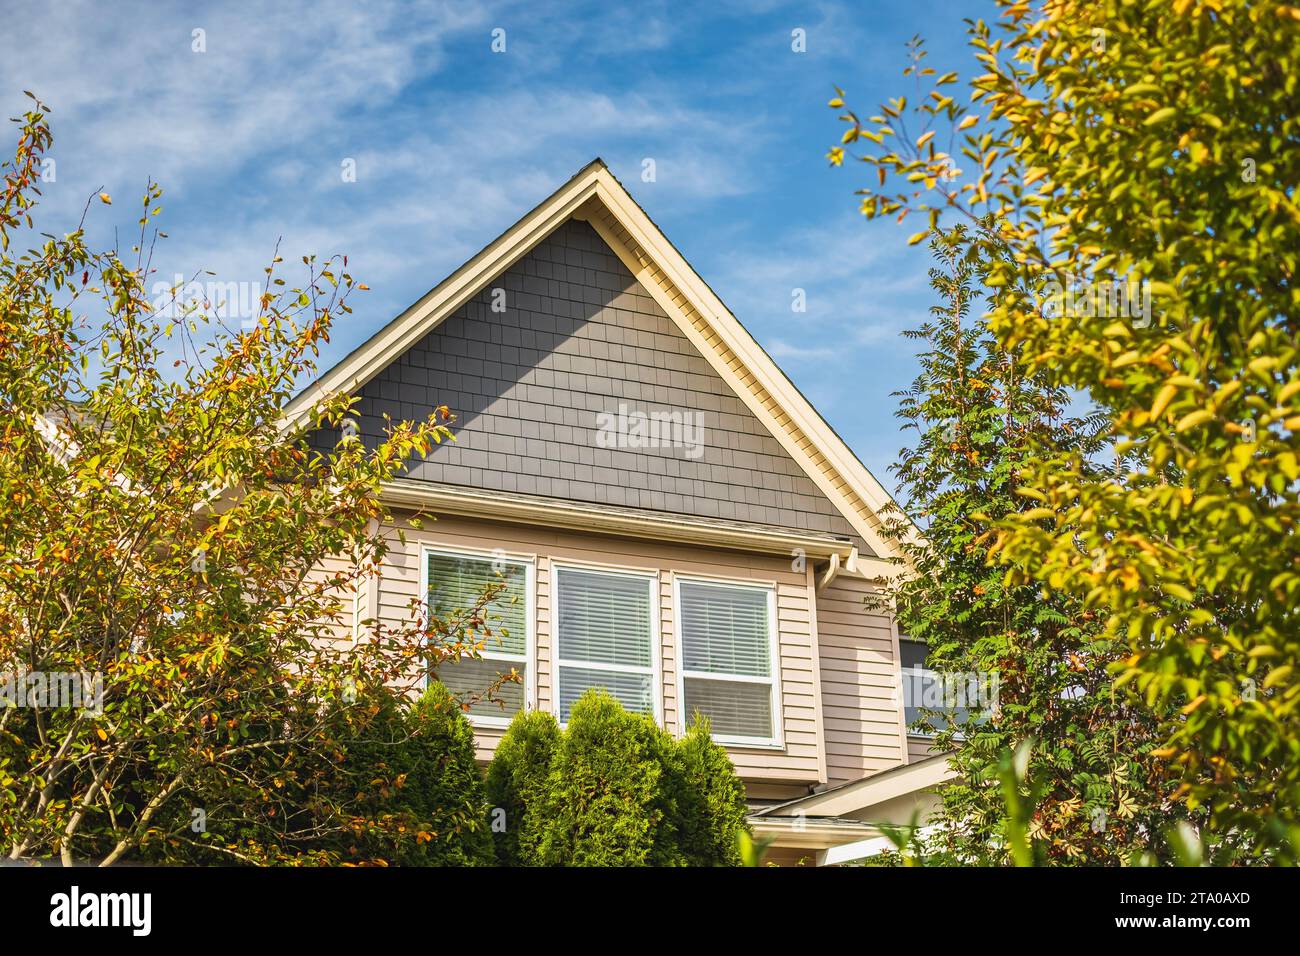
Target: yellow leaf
[[103, 197], [1163, 399], [1198, 417], [100, 732], [925, 138], [1139, 89], [968, 122], [1159, 116], [914, 239], [1277, 676], [1226, 392]]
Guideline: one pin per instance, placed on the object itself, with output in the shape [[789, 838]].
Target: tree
[[516, 780], [709, 798], [414, 788], [605, 801], [1025, 663], [164, 551], [614, 789], [1139, 161]]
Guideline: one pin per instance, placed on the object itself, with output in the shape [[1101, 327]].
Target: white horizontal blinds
[[727, 674], [456, 585], [604, 638], [725, 630], [470, 677], [604, 618], [635, 691], [733, 709]]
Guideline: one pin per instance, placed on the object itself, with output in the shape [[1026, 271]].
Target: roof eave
[[622, 522]]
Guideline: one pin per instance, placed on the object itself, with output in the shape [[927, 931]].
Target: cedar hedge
[[613, 789]]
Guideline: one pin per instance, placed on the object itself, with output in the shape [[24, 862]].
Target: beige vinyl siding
[[342, 626], [918, 748], [859, 675], [673, 718], [800, 757]]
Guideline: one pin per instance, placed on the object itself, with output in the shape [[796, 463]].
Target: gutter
[[811, 833]]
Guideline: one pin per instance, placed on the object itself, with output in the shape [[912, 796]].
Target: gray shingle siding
[[579, 337]]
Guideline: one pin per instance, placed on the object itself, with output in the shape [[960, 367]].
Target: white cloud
[[859, 288], [782, 350], [130, 95]]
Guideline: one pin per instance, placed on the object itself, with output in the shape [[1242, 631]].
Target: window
[[727, 658], [454, 584], [942, 695], [604, 638]]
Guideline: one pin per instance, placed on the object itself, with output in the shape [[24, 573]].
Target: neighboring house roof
[[843, 823], [857, 797], [593, 195]]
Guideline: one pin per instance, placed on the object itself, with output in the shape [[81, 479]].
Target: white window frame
[[529, 563], [777, 740], [656, 643]]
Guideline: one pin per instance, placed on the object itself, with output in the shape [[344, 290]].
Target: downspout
[[834, 567]]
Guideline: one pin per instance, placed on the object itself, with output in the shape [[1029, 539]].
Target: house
[[675, 520]]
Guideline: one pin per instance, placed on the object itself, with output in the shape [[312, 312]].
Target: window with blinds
[[728, 674], [604, 637], [455, 585]]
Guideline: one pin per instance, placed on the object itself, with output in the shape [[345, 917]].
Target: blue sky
[[453, 142]]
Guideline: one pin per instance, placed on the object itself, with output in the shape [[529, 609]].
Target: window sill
[[748, 743]]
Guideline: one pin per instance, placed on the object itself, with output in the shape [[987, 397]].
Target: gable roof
[[594, 195]]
